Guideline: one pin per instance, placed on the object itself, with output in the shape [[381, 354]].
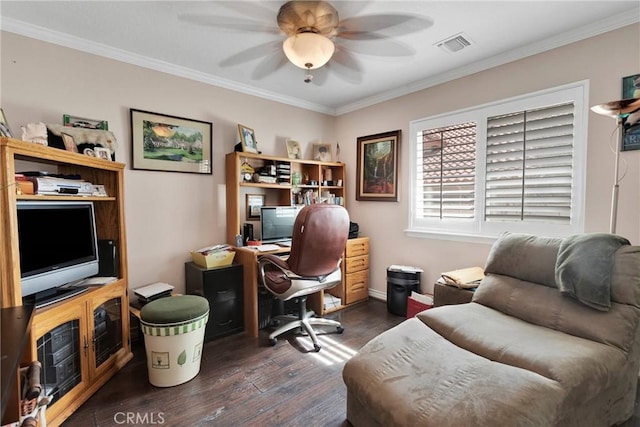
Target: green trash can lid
[[174, 309]]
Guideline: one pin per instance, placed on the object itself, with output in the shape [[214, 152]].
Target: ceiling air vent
[[454, 44]]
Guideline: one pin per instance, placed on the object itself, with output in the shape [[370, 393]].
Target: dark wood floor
[[243, 381]]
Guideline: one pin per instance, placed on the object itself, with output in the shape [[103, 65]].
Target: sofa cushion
[[585, 367], [625, 283], [547, 307], [525, 257], [410, 376]]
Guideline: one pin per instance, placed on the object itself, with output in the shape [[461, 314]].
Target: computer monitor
[[276, 222]]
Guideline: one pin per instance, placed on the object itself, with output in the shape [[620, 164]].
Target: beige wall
[[167, 214], [603, 60], [170, 213]]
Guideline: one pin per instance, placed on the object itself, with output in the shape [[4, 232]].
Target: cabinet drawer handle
[[228, 322], [222, 292]]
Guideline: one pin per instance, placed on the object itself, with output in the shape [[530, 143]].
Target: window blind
[[447, 160], [529, 162]]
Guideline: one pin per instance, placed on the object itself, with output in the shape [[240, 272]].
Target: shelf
[[66, 198], [265, 185]]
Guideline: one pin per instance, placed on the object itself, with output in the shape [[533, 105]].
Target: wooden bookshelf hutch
[[93, 326], [325, 182]]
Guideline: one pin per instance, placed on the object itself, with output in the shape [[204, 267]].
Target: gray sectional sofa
[[537, 346]]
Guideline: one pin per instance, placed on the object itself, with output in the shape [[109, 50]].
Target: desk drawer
[[356, 286], [354, 264], [357, 247]]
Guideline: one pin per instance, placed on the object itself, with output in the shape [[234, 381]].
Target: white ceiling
[[188, 39]]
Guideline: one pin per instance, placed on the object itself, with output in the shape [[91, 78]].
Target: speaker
[[108, 258], [248, 232]]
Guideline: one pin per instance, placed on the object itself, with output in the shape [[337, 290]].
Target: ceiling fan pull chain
[[307, 75]]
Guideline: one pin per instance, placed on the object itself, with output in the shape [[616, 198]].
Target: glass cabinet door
[[107, 329], [59, 352]]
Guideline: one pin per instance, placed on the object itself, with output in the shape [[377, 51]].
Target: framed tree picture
[[168, 143], [377, 167]]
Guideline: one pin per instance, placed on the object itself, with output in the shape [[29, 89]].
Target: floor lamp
[[618, 110]]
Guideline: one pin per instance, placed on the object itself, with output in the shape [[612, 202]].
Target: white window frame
[[477, 229]]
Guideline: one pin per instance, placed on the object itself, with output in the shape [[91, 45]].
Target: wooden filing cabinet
[[223, 288], [356, 270]]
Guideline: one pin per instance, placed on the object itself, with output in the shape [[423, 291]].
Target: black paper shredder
[[401, 280]]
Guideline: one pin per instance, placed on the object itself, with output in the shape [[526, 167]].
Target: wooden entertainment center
[[83, 340], [324, 182]]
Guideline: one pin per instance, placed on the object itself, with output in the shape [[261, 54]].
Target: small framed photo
[[99, 190], [322, 152], [69, 142], [89, 152], [4, 125], [247, 139], [103, 153], [254, 203], [293, 150]]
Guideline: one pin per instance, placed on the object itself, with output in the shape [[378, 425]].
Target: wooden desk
[[249, 260]]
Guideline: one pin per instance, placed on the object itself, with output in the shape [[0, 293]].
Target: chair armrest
[[274, 259]]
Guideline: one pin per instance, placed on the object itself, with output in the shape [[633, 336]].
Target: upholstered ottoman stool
[[173, 329], [412, 376]]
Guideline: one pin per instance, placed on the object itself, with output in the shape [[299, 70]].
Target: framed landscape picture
[[168, 143], [377, 167]]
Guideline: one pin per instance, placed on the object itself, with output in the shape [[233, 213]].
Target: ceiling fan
[[316, 38]]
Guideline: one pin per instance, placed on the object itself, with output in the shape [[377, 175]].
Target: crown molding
[[62, 39], [591, 30]]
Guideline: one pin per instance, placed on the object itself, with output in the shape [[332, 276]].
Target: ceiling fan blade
[[251, 54], [253, 9], [381, 47], [269, 64], [229, 23], [320, 75], [345, 66], [370, 27]]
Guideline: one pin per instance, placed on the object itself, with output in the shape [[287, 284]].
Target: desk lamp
[[619, 110]]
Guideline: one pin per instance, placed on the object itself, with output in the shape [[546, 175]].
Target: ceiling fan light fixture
[[308, 50]]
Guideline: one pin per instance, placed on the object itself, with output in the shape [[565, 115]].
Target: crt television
[[276, 222], [58, 244]]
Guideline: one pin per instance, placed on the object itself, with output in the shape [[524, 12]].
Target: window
[[516, 165]]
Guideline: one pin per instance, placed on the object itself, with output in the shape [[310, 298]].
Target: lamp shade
[[617, 108], [308, 50]]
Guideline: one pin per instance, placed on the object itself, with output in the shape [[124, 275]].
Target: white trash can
[[173, 329]]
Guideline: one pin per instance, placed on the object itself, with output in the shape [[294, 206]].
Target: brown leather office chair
[[319, 238]]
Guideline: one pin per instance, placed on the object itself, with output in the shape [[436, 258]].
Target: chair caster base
[[273, 341], [316, 348], [340, 329]]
